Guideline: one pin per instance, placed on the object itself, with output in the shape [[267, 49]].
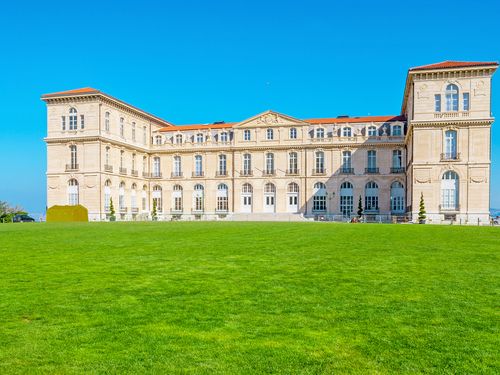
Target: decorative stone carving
[[269, 119], [384, 128]]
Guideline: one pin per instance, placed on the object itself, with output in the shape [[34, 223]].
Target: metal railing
[[123, 209], [72, 167], [294, 171], [135, 209], [269, 172], [198, 174], [398, 169], [246, 172], [123, 170], [108, 168], [156, 175], [135, 173], [220, 173], [319, 171], [145, 174], [176, 175], [372, 170], [346, 170], [450, 156]]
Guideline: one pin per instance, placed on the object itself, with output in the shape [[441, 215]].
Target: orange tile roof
[[77, 91], [453, 64], [196, 127], [356, 119]]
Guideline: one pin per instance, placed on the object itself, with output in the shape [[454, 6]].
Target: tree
[[153, 213], [7, 212], [111, 209], [421, 213], [360, 207]]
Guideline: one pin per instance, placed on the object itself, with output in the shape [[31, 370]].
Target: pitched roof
[[311, 121], [453, 64], [77, 91], [196, 127]]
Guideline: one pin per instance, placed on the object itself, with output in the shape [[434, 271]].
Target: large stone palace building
[[100, 148]]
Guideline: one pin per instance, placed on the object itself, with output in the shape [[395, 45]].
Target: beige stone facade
[[100, 148]]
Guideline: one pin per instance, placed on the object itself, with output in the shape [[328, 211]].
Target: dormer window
[[73, 125], [158, 140], [223, 137], [347, 132], [396, 130], [270, 134], [199, 138], [320, 133], [178, 138], [372, 131], [451, 97]]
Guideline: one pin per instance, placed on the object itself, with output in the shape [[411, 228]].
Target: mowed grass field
[[249, 298]]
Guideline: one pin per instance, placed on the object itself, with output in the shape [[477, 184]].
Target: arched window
[[223, 137], [144, 197], [107, 195], [450, 144], [198, 197], [270, 134], [177, 198], [269, 188], [397, 197], [121, 196], [133, 131], [293, 133], [371, 197], [73, 122], [449, 192], [246, 198], [292, 163], [199, 138], [72, 192], [133, 190], [320, 162], [292, 188], [347, 132], [106, 121], [346, 199], [222, 198], [320, 133], [157, 197], [372, 131], [319, 197], [396, 130], [269, 163], [451, 98], [247, 135], [122, 126]]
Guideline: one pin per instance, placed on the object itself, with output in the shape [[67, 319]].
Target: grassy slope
[[242, 298]]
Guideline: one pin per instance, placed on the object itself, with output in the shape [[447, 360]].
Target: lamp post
[[329, 201]]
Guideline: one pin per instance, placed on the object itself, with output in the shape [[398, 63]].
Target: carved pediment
[[270, 118]]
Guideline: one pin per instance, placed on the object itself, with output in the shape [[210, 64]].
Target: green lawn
[[245, 298]]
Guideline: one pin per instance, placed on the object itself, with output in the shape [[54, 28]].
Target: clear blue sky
[[204, 61]]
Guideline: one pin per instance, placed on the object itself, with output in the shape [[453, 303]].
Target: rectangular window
[[107, 122], [346, 159], [223, 137], [222, 164], [437, 102], [466, 101], [247, 162], [222, 204], [270, 134], [320, 162], [319, 203], [372, 159], [121, 126], [247, 135], [269, 163], [198, 166], [397, 159], [293, 133], [156, 167], [293, 162], [177, 166], [144, 135], [82, 122], [133, 131], [63, 118], [73, 122], [177, 203], [73, 157]]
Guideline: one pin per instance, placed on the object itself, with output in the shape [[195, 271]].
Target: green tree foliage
[[111, 208], [360, 207], [421, 213], [153, 213], [7, 212]]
